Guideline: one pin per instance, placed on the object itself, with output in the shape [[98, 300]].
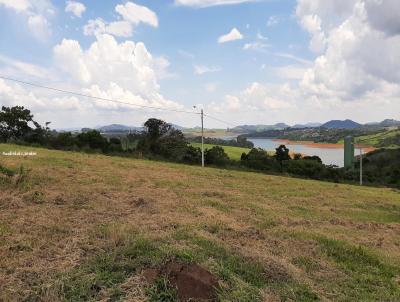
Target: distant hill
[[389, 123], [338, 124], [259, 128], [308, 125], [118, 128], [177, 127]]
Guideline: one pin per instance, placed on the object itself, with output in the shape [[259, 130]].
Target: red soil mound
[[193, 283]]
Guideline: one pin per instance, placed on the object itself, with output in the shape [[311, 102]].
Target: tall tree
[[14, 122], [281, 154], [156, 128], [160, 138]]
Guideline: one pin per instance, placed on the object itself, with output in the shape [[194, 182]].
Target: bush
[[314, 157], [92, 140], [305, 167], [115, 145], [259, 159], [192, 155], [216, 156], [62, 141]]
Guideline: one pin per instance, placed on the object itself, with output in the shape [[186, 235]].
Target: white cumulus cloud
[[37, 15], [17, 5], [136, 14], [76, 8], [107, 68], [131, 15], [233, 35], [207, 3], [358, 55], [355, 74], [39, 26]]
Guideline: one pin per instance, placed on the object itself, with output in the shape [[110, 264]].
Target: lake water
[[329, 156]]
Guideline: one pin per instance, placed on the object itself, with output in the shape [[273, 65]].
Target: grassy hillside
[[81, 227], [381, 139], [233, 152]]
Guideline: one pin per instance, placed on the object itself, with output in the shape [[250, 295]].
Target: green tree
[[93, 140], [216, 156], [160, 138], [156, 128], [259, 159], [14, 123], [281, 154]]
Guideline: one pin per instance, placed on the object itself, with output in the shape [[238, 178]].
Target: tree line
[[161, 141]]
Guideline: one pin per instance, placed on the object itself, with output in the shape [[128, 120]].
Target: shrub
[[260, 160], [305, 167], [216, 156], [192, 155], [93, 140]]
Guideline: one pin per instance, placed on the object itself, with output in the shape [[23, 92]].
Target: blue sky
[[295, 61]]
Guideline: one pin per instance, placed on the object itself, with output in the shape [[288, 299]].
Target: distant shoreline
[[322, 145]]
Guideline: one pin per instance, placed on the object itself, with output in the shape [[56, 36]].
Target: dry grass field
[[78, 227]]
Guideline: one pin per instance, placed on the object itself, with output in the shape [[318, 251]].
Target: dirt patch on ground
[[192, 282]]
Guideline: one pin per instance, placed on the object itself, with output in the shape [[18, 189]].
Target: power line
[[94, 97]]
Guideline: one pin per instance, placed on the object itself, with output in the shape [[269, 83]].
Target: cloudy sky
[[243, 61]]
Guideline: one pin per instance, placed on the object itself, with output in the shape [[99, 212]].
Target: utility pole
[[202, 138], [361, 167]]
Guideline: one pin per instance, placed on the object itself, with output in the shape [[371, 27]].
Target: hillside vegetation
[[388, 139], [78, 227]]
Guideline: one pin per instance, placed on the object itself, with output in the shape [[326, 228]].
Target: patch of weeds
[[55, 230], [108, 270], [21, 247], [267, 223], [59, 200], [295, 291], [306, 263], [6, 171], [303, 211], [184, 255], [376, 215], [162, 291], [56, 161], [80, 202], [4, 229], [239, 291], [214, 194], [214, 228], [369, 277], [36, 197], [230, 263], [246, 277], [217, 205], [114, 235]]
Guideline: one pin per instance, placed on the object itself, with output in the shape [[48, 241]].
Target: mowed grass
[[78, 227], [233, 152]]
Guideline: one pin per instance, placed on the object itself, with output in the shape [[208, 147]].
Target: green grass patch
[[233, 152], [245, 277], [375, 139], [162, 291], [217, 204], [306, 263], [108, 270], [369, 279]]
